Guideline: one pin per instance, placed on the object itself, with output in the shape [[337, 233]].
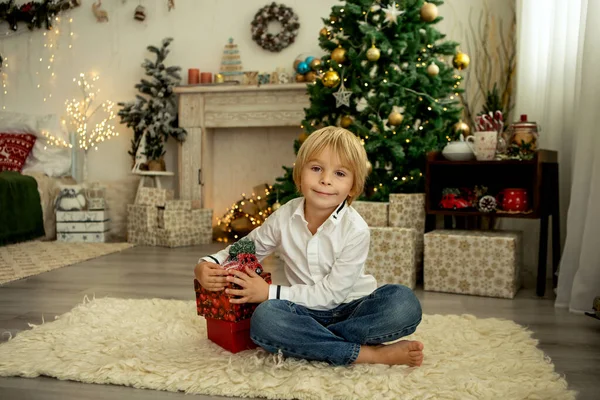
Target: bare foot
[[404, 352]]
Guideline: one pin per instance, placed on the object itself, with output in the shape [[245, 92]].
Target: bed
[[31, 172]]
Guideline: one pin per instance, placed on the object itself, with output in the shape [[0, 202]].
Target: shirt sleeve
[[334, 288], [266, 239]]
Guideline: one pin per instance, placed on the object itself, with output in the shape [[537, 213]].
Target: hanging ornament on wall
[[395, 118], [461, 61], [140, 13], [342, 96], [101, 15], [339, 55], [429, 12], [433, 69], [373, 53], [171, 4], [331, 79]]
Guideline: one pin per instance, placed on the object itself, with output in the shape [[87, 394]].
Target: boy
[[332, 311]]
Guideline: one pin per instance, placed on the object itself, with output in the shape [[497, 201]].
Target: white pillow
[[52, 161]]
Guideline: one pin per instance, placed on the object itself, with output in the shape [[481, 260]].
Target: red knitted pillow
[[14, 150]]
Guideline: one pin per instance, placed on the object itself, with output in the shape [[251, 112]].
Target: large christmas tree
[[389, 77], [154, 110]]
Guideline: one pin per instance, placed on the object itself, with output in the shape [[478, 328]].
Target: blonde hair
[[342, 142]]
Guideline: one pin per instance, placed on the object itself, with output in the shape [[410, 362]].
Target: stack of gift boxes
[[156, 219], [484, 263], [397, 229]]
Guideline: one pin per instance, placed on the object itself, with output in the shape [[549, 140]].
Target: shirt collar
[[335, 216]]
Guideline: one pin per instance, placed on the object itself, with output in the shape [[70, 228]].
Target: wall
[[200, 29]]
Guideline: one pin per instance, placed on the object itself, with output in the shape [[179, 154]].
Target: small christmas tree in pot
[[153, 114]]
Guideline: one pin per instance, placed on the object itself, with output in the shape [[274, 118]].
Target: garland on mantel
[[34, 13]]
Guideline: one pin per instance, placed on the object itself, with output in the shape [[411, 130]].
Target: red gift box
[[216, 304], [232, 336]]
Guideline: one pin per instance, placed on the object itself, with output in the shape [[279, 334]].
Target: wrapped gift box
[[232, 336], [408, 211], [82, 227], [178, 219], [82, 216], [392, 256], [483, 263], [89, 237], [141, 217], [153, 197], [142, 237], [178, 238], [216, 305], [374, 213], [178, 205]]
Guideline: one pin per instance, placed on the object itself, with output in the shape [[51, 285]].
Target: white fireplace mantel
[[203, 110]]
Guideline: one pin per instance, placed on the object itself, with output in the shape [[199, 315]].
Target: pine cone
[[487, 204]]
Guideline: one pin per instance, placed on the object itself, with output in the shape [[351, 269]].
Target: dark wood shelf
[[538, 177], [464, 213]]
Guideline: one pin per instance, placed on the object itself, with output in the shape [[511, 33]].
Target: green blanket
[[20, 208]]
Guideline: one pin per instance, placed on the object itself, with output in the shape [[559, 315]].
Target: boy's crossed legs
[[351, 333]]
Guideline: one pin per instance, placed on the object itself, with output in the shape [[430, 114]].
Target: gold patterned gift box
[[142, 237], [184, 237], [483, 263], [407, 210], [178, 205], [374, 213], [141, 217], [153, 197], [202, 218], [392, 256], [174, 219]]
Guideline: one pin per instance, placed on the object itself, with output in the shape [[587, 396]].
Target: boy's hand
[[254, 288], [211, 276]]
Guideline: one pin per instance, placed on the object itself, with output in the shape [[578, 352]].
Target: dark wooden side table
[[538, 176]]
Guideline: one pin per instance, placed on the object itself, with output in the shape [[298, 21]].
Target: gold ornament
[[373, 54], [315, 64], [339, 55], [310, 76], [303, 136], [461, 127], [325, 33], [346, 121], [333, 19], [296, 62], [300, 78], [331, 79], [433, 69], [276, 206], [395, 118], [461, 61], [429, 12], [369, 167]]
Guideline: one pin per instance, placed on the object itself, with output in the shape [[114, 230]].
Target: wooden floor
[[572, 341]]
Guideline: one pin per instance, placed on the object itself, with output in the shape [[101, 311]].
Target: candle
[[193, 76], [219, 78], [206, 77]]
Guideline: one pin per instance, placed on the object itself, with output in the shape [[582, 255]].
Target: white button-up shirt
[[325, 269]]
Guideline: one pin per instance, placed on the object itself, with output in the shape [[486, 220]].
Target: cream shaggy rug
[[31, 258], [161, 344]]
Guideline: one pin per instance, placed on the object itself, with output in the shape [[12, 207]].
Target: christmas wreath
[[289, 27]]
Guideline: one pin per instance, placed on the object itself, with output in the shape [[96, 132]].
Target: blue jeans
[[335, 336]]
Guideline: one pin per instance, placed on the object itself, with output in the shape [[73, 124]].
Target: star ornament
[[342, 96], [392, 13]]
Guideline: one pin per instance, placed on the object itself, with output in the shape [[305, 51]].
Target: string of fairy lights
[[46, 72], [81, 113]]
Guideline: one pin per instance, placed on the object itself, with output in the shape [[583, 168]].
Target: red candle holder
[[193, 76]]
